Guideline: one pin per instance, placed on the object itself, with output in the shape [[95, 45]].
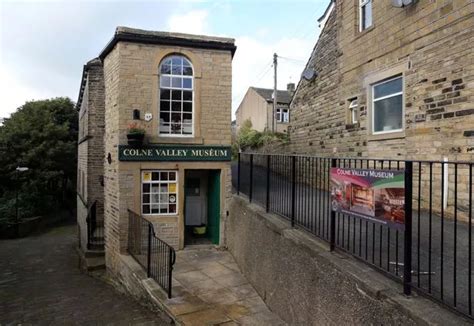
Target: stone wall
[[305, 284]]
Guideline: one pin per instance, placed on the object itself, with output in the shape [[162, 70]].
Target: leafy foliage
[[248, 138], [40, 135]]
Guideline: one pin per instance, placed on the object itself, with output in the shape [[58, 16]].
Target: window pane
[[146, 209], [176, 95], [172, 208], [176, 117], [387, 88], [176, 60], [163, 209], [165, 69], [187, 83], [187, 95], [164, 117], [167, 62], [154, 209], [154, 188], [164, 128], [187, 117], [186, 62], [164, 105], [165, 94], [187, 107], [146, 199], [146, 187], [155, 176], [176, 107], [164, 176], [175, 128], [172, 175], [177, 70], [165, 81], [187, 129], [177, 82], [388, 114], [187, 71]]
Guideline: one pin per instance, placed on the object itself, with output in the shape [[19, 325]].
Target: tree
[[41, 135]]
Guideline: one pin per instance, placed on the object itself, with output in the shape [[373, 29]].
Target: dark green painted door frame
[[214, 206]]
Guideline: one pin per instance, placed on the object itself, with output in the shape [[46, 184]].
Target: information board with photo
[[377, 195]]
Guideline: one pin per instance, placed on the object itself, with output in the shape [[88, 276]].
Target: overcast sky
[[44, 44]]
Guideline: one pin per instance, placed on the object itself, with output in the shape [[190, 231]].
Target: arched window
[[176, 96]]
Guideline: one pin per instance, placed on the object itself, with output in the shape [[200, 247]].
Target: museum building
[[154, 140]]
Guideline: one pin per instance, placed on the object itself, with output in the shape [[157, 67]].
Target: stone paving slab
[[209, 289], [41, 284]]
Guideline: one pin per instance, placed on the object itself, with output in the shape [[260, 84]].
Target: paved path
[[40, 283], [209, 289]]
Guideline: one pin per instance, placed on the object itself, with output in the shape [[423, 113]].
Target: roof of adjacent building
[[128, 34], [283, 97], [85, 70]]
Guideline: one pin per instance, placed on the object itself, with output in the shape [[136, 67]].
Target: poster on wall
[[376, 195]]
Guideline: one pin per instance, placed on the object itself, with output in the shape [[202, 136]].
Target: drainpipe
[[446, 183]]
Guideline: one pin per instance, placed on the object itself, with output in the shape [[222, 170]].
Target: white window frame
[[383, 98], [353, 105], [362, 4], [192, 89], [281, 113], [158, 182]]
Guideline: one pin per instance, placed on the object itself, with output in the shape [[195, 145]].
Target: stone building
[[177, 89], [390, 82], [257, 106]]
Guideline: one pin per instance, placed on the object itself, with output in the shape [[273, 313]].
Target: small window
[[353, 111], [160, 192], [365, 14], [387, 106], [282, 115]]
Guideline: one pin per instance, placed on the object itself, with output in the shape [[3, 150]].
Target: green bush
[[250, 139]]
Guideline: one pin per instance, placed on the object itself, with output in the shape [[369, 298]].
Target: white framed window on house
[[176, 97], [387, 106], [365, 14], [353, 111], [282, 115], [160, 192]]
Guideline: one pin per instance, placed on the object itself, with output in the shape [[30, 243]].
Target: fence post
[[293, 189], [332, 225], [170, 272], [251, 178], [148, 265], [408, 228], [238, 173], [267, 207]]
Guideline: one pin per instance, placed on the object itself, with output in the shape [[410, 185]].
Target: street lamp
[[18, 170]]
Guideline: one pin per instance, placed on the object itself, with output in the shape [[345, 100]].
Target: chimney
[[290, 87]]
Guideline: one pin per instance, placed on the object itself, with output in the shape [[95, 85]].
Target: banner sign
[[174, 153], [376, 195]]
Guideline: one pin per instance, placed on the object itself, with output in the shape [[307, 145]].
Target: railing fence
[[152, 253], [433, 254]]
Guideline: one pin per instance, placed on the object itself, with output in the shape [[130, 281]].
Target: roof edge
[[125, 34]]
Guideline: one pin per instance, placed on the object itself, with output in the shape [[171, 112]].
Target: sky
[[44, 44]]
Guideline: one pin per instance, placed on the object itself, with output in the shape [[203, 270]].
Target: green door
[[214, 205]]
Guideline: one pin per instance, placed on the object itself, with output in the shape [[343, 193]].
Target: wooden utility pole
[[275, 62]]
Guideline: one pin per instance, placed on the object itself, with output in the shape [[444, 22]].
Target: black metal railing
[[95, 229], [152, 253], [432, 254]]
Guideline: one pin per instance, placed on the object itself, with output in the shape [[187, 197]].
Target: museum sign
[[174, 153]]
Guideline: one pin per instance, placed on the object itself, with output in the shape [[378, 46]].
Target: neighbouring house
[[176, 90], [393, 81], [257, 106], [389, 81]]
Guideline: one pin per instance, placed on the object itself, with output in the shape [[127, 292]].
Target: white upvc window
[[354, 112], [283, 115], [176, 97], [387, 106], [160, 192], [365, 14]]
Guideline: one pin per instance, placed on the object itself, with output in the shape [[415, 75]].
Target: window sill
[[176, 140], [387, 136], [360, 34]]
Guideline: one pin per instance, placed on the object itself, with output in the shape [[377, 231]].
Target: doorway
[[202, 207]]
